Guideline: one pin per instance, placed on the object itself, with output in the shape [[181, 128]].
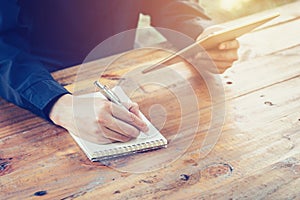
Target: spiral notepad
[[151, 140]]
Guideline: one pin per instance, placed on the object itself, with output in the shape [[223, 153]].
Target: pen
[[109, 94]]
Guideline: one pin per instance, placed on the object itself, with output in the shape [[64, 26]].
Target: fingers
[[232, 44], [129, 117], [113, 131], [116, 123], [122, 128], [95, 134], [101, 121], [112, 135], [225, 55], [133, 107]]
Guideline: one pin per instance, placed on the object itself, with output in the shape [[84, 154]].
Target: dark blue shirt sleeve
[[182, 16], [24, 80]]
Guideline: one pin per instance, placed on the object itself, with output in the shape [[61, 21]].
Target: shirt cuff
[[42, 96]]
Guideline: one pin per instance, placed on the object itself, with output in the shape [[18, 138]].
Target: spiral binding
[[127, 150]]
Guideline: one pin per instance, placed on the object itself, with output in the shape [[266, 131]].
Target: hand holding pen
[[98, 120], [127, 123]]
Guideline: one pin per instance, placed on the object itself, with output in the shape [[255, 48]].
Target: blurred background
[[225, 10], [218, 10]]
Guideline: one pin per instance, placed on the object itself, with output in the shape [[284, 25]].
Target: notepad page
[[91, 149]]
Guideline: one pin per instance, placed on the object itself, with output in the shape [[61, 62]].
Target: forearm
[[26, 83], [182, 16]]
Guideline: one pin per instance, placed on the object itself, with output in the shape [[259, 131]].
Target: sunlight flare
[[232, 4]]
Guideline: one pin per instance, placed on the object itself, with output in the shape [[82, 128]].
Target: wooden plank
[[288, 12], [248, 76], [267, 158], [270, 40], [257, 155], [30, 155]]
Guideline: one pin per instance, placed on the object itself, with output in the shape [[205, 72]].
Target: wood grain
[[256, 157]]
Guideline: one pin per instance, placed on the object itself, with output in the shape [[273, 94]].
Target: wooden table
[[256, 157]]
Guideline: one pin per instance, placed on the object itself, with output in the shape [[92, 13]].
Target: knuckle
[[106, 105], [135, 105], [131, 117], [102, 120]]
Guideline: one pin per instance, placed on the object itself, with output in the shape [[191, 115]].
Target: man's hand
[[224, 54], [97, 120]]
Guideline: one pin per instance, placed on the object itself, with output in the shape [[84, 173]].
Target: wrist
[[59, 109]]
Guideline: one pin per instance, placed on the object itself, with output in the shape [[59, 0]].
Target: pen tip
[[98, 84]]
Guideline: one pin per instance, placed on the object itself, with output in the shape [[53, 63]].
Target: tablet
[[214, 39]]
